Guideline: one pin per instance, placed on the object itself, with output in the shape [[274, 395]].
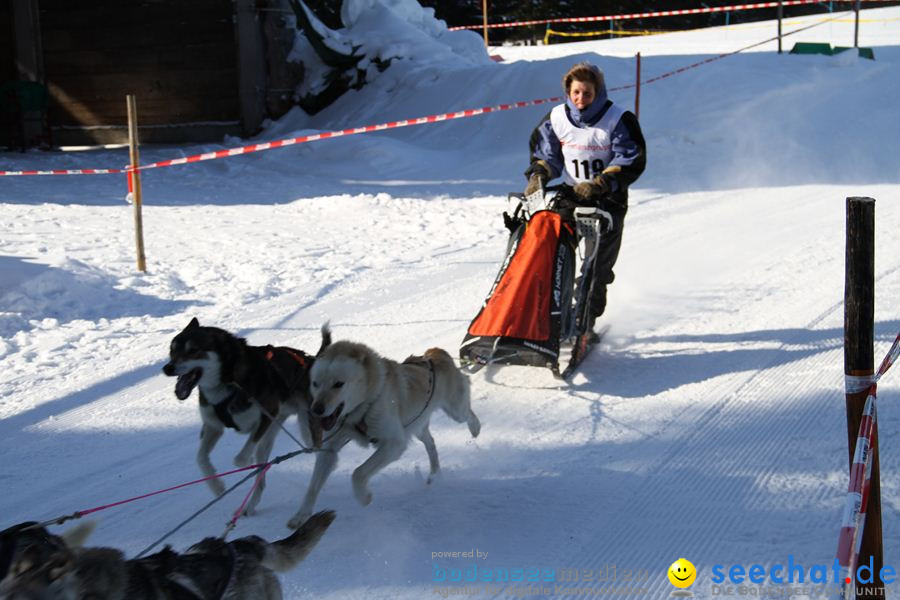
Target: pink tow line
[[240, 510], [82, 513]]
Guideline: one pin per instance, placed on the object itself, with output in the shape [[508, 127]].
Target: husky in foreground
[[37, 565], [359, 395], [251, 389]]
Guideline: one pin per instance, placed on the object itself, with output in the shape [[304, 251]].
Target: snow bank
[[399, 32]]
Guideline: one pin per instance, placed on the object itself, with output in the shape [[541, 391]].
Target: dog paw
[[474, 425], [433, 477], [299, 519], [361, 491], [216, 485]]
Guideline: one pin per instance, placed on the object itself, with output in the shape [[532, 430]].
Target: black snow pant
[[603, 275], [607, 251]]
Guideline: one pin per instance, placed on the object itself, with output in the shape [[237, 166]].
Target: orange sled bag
[[529, 307]]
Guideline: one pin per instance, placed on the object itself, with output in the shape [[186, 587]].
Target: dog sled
[[537, 308]]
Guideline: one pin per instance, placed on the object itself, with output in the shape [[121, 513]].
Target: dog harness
[[417, 361], [222, 408], [232, 404], [296, 356]]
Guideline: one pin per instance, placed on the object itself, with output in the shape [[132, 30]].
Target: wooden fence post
[[136, 182], [859, 361], [780, 17], [485, 23], [637, 88]]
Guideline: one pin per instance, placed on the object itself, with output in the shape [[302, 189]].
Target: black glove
[[511, 223], [538, 174], [590, 192]]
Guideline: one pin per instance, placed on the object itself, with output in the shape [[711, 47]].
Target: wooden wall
[[179, 57], [7, 61]]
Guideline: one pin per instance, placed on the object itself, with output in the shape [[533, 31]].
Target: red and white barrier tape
[[854, 521], [705, 61], [64, 172], [889, 360], [647, 15], [299, 140], [345, 132]]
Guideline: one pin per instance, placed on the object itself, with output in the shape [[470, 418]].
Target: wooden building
[[200, 69]]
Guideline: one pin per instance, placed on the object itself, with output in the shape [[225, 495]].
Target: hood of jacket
[[591, 113]]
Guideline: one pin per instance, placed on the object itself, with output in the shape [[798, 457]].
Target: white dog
[[361, 396]]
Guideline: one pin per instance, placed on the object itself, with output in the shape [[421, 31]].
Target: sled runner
[[537, 304]]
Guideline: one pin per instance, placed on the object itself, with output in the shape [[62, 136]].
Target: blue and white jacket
[[579, 145]]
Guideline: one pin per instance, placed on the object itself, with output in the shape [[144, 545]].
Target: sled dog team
[[345, 392]]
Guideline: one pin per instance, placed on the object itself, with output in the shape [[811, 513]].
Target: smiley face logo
[[682, 573]]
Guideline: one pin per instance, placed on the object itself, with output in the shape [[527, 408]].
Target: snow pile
[[398, 33]]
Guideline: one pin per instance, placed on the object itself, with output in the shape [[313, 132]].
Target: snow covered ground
[[709, 426]]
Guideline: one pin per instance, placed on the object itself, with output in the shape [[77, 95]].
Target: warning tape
[[64, 172], [889, 360], [345, 132], [854, 520], [648, 32], [551, 32], [300, 139], [721, 56], [647, 15]]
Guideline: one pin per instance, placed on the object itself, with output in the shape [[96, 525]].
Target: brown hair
[[584, 72]]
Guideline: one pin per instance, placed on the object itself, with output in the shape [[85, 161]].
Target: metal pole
[[484, 13], [136, 182], [780, 16], [859, 361], [856, 25]]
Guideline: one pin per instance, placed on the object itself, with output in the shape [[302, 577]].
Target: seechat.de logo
[[791, 572]]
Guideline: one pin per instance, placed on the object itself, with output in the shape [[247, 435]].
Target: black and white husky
[[36, 564], [251, 389]]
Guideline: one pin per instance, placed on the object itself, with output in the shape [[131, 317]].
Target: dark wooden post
[[485, 23], [28, 47], [251, 65], [136, 183], [859, 361], [780, 16], [637, 88], [856, 25]]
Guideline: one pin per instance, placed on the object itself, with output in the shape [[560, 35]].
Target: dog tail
[[285, 554], [458, 405], [78, 535], [326, 338]]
